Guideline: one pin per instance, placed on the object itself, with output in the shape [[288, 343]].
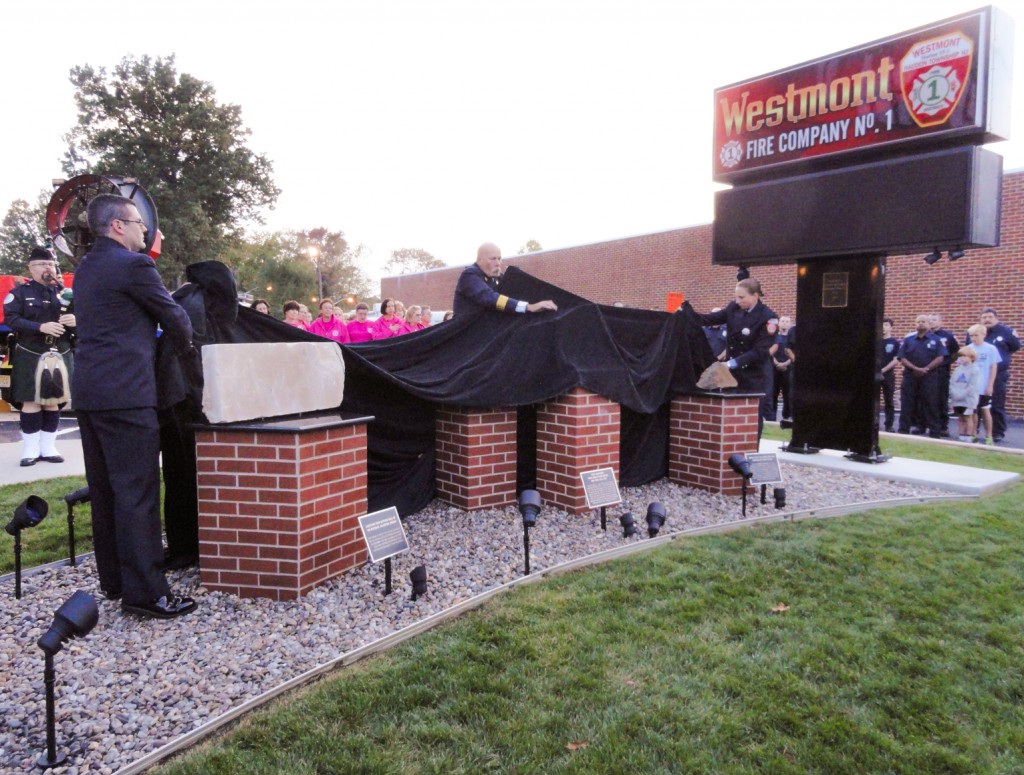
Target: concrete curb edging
[[398, 637]]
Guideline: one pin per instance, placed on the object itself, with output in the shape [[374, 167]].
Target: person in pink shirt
[[425, 318], [293, 315], [360, 329], [328, 326], [388, 324], [412, 320]]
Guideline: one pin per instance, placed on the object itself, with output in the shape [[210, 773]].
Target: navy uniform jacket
[[119, 300], [1005, 341], [751, 334], [476, 291], [921, 351], [30, 305], [717, 338], [889, 347], [948, 339]]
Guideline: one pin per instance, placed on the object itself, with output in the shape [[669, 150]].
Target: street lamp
[[314, 255]]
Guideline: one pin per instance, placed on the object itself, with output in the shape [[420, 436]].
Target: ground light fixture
[[780, 497], [933, 257], [741, 466], [418, 577], [656, 516], [29, 513], [74, 619], [628, 523], [529, 506], [76, 498], [956, 255]]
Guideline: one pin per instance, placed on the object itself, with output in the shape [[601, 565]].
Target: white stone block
[[271, 379]]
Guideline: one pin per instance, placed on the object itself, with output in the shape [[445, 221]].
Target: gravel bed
[[134, 685]]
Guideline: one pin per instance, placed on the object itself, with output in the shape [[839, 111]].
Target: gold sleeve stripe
[[502, 303]]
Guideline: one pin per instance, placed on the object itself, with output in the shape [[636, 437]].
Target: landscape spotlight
[[656, 516], [932, 257], [74, 619], [529, 506], [739, 463], [79, 496], [780, 497], [957, 254], [418, 577], [629, 527], [29, 513]]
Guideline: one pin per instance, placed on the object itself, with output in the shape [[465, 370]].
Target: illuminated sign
[[946, 83]]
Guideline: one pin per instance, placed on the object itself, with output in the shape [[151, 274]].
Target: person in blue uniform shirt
[[120, 300], [478, 287], [38, 313], [921, 354], [782, 361], [1005, 340], [751, 327], [888, 347], [948, 339], [717, 338]]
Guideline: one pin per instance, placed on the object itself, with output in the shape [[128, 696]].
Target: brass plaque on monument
[[835, 289]]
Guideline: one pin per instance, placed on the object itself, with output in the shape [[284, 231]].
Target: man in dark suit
[[119, 300]]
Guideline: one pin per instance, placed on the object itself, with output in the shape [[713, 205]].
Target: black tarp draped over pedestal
[[636, 357]]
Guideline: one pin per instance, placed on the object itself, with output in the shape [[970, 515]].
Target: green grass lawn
[[47, 541], [900, 650]]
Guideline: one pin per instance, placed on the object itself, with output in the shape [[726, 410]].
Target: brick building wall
[[641, 271]]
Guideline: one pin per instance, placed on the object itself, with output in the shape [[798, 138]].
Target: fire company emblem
[[932, 74], [731, 154]]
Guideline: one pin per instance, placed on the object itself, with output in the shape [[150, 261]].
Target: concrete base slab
[[945, 476]]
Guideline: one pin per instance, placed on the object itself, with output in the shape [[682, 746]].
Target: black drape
[[635, 357]]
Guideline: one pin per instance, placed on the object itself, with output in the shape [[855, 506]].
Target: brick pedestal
[[475, 451], [704, 430], [279, 504], [576, 432]]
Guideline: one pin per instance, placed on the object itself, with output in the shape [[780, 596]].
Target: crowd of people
[[332, 323], [941, 374], [941, 378]]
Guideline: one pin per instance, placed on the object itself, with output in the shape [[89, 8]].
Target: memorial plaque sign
[[600, 488], [835, 289], [384, 534], [764, 467]]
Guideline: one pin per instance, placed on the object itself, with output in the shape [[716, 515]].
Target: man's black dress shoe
[[51, 458], [164, 608], [28, 461]]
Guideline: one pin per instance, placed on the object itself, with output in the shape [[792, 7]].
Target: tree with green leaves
[[409, 260], [531, 246], [22, 229], [281, 266], [187, 150]]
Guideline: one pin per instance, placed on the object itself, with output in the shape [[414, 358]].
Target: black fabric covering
[[635, 357]]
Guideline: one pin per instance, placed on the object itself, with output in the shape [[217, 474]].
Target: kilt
[[24, 362]]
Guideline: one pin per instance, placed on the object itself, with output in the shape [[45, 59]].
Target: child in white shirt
[[964, 391]]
